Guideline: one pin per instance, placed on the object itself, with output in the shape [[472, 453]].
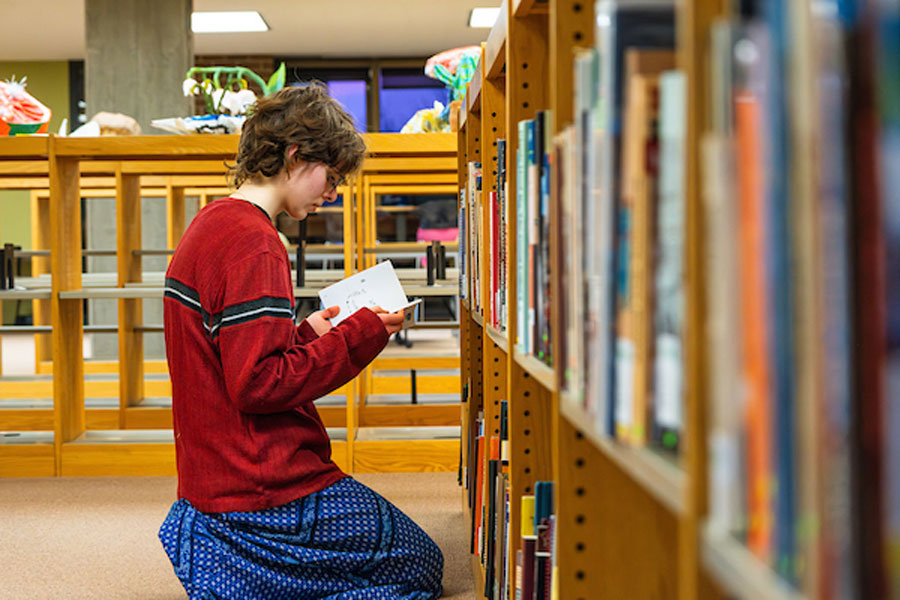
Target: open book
[[376, 286]]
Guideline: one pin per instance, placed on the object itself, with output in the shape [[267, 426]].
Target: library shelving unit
[[134, 437], [631, 520]]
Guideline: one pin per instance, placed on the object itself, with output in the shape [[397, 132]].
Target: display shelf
[[112, 292], [408, 247], [61, 171], [655, 472], [26, 294], [739, 571], [495, 47], [139, 147], [408, 433], [476, 316], [24, 147], [545, 375], [498, 338]]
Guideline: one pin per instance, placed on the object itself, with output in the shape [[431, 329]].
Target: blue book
[[779, 201]]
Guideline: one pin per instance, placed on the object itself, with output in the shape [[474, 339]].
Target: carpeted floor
[[80, 538]]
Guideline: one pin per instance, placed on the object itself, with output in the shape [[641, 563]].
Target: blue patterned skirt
[[345, 542]]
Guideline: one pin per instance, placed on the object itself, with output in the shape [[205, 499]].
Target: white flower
[[218, 101], [189, 86], [238, 102]]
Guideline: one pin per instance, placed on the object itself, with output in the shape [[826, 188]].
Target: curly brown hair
[[306, 116]]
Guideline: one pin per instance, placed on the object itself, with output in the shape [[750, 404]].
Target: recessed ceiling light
[[483, 17], [227, 21]]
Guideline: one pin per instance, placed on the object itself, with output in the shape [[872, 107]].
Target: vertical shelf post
[[694, 22], [66, 315], [130, 268]]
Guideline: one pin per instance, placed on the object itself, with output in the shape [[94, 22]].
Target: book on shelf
[[525, 569], [804, 479], [636, 210], [474, 234], [543, 524], [533, 232], [836, 543], [462, 253], [669, 290], [888, 86], [521, 234], [532, 193], [607, 226], [542, 300], [497, 234]]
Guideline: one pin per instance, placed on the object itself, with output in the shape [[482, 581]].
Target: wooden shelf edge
[[495, 49], [25, 147], [478, 574], [498, 338], [112, 292], [476, 316], [666, 482], [33, 294], [524, 8], [545, 375], [739, 571], [473, 96]]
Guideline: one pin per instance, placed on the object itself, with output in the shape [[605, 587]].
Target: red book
[[479, 494], [754, 327]]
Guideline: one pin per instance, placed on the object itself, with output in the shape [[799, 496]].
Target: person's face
[[309, 185]]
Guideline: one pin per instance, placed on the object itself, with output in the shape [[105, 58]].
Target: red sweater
[[244, 377]]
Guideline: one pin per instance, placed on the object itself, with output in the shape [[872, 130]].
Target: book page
[[376, 286]]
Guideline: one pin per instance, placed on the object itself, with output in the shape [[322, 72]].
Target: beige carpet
[[79, 538]]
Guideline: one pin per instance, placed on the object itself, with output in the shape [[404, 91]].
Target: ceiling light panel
[[483, 17], [227, 21]]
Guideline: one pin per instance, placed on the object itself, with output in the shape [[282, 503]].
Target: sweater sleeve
[[306, 332], [268, 363]]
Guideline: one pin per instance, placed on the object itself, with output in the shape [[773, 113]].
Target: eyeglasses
[[334, 179]]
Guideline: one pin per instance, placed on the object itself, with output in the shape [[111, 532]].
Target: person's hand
[[393, 322], [320, 322]]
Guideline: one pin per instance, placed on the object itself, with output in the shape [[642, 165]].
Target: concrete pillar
[[138, 52]]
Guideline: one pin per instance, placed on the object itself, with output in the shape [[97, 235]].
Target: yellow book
[[527, 523]]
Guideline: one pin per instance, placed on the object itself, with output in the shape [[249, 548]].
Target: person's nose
[[331, 195]]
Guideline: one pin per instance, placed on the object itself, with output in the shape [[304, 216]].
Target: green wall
[[49, 83]]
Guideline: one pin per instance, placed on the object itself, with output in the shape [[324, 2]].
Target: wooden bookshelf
[[630, 519], [60, 172], [656, 473], [738, 492]]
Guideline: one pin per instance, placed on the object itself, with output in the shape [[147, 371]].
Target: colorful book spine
[[668, 321], [521, 233]]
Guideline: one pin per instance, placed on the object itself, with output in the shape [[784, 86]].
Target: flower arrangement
[[234, 96], [227, 96]]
